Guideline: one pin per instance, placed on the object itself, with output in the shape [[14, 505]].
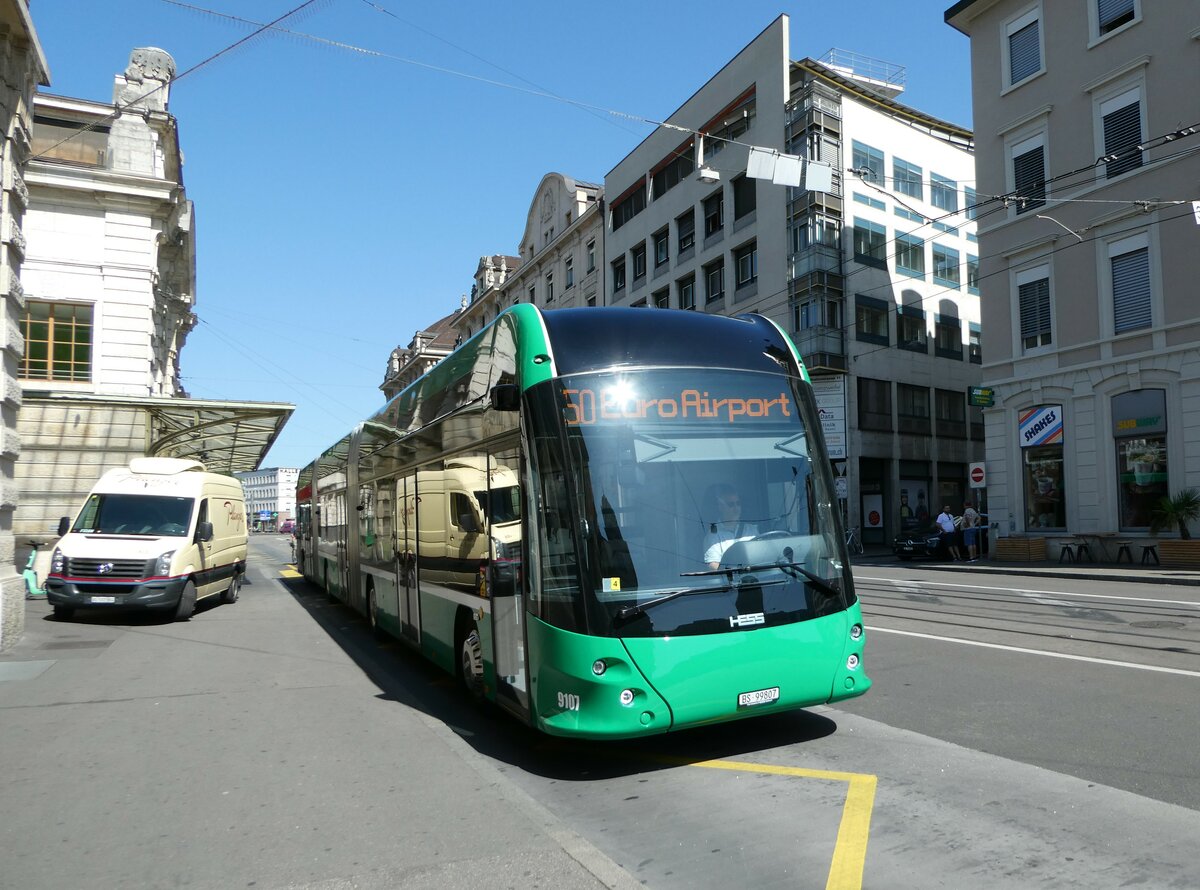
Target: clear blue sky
[[343, 200]]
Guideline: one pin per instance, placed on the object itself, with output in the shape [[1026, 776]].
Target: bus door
[[506, 577], [408, 603]]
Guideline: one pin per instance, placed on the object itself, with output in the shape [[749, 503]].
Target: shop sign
[[830, 394], [981, 396], [1040, 426]]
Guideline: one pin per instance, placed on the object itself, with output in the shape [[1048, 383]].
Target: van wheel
[[373, 614], [470, 662], [187, 602], [63, 613], [235, 587]]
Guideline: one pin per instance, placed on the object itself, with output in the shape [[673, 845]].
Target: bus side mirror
[[64, 525], [204, 531], [506, 397]]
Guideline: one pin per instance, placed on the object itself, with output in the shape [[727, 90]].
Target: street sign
[[978, 475], [981, 396]]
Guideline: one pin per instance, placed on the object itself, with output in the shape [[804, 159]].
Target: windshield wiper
[[786, 567], [640, 608]]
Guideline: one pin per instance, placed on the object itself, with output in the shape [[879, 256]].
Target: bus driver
[[730, 529]]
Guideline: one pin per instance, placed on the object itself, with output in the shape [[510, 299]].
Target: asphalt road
[[276, 744]]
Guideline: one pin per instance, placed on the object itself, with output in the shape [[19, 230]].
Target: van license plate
[[104, 599], [758, 697]]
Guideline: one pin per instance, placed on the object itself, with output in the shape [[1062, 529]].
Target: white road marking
[[1026, 591], [1125, 664]]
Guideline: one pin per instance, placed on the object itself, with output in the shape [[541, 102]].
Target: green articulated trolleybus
[[611, 522]]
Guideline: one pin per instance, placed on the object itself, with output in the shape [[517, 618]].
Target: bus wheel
[[235, 587], [187, 602], [373, 613], [470, 662]]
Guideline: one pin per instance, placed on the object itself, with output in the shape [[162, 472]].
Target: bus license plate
[[104, 599], [758, 697]]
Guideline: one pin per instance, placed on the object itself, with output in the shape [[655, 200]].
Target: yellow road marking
[[289, 572], [850, 850]]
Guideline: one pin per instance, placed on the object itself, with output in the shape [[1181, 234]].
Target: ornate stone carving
[[150, 62], [20, 190]]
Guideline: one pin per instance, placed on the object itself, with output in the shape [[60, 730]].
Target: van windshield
[[135, 514]]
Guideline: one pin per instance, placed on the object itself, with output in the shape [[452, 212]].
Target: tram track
[[1077, 623]]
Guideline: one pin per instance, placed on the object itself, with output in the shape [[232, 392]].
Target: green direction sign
[[981, 396]]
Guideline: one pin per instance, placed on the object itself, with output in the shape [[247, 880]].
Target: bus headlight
[[856, 632], [627, 696], [852, 662], [163, 565], [57, 561]]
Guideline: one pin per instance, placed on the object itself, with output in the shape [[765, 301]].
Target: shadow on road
[[406, 677]]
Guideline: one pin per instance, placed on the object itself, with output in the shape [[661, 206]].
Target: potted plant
[[1178, 510]]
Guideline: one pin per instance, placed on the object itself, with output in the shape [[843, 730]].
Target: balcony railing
[[822, 347], [817, 258]]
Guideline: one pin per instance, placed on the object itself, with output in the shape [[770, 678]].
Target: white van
[[160, 534]]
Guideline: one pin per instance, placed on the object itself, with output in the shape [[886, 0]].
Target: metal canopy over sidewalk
[[227, 437]]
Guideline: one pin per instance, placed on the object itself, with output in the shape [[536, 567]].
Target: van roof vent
[[164, 466]]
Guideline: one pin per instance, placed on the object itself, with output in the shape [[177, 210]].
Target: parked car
[[287, 527], [924, 542]]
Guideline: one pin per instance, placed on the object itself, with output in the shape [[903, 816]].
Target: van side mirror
[[506, 397], [64, 525], [204, 531]]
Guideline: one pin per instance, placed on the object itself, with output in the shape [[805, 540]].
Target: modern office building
[[270, 496], [1087, 128], [874, 274]]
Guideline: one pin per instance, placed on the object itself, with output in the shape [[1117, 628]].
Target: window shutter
[[1029, 178], [1114, 13], [1131, 290], [1034, 300], [1024, 53], [1122, 132]]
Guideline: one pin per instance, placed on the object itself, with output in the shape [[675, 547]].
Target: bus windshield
[[700, 504]]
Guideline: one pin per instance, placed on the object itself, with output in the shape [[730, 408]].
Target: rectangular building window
[[1045, 498], [618, 275], [910, 255], [943, 193], [58, 341], [662, 247], [662, 298], [714, 281], [871, 320], [972, 202], [868, 162], [1121, 118], [950, 414], [1139, 420], [685, 227], [972, 274], [1023, 47], [945, 266], [1029, 173], [1033, 302], [745, 196], [714, 213], [549, 286], [874, 404], [1112, 14], [568, 273], [674, 172], [912, 409], [591, 255], [745, 259], [638, 255], [870, 243], [975, 344], [1129, 260], [686, 289], [910, 329], [628, 207], [947, 337], [906, 179]]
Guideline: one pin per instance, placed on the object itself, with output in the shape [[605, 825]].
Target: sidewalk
[[1098, 571]]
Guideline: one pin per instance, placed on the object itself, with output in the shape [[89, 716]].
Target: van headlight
[[163, 566], [58, 562]]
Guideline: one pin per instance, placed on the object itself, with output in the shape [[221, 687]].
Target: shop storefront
[[1140, 437], [1041, 434]]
